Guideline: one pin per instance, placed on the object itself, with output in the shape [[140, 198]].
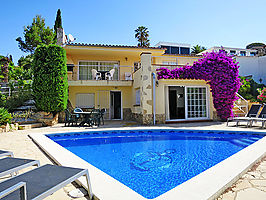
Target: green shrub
[[249, 88], [50, 86], [5, 117], [17, 100], [2, 100]]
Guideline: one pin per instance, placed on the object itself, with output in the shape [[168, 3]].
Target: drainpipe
[[153, 87]]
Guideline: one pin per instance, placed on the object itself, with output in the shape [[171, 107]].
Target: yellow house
[[133, 92]]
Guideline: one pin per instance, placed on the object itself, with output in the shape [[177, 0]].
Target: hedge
[[50, 86]]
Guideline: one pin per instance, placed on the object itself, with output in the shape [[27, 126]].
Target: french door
[[196, 103], [187, 102]]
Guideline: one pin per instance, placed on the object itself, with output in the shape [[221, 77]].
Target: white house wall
[[255, 66]]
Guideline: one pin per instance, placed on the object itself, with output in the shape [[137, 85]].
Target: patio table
[[86, 117], [103, 74]]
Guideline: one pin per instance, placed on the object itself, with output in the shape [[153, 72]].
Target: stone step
[[29, 126]]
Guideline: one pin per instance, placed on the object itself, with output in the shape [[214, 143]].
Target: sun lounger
[[261, 118], [6, 153], [253, 112], [22, 190], [43, 181], [10, 165]]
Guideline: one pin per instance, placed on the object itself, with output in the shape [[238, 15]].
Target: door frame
[[110, 112], [167, 112]]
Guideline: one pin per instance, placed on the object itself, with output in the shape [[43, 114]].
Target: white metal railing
[[171, 67], [8, 91], [241, 103]]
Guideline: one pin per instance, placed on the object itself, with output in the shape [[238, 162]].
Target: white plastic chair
[[110, 75], [95, 74], [128, 76]]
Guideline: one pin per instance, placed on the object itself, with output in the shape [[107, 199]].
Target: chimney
[[61, 37]]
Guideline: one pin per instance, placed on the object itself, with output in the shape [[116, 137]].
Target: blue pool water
[[152, 162]]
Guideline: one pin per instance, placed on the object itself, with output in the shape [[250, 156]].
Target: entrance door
[[115, 104], [176, 102]]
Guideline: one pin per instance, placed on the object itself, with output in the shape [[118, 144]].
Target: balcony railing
[[171, 67], [121, 73]]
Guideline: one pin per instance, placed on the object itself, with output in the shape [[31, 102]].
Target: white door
[[196, 103]]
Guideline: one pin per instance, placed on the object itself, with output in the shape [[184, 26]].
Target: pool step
[[30, 126]]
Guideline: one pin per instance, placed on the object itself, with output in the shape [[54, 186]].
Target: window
[[184, 50], [232, 52], [85, 68], [138, 97], [136, 66], [242, 53], [252, 53], [85, 100], [70, 67], [196, 102], [167, 51], [174, 50]]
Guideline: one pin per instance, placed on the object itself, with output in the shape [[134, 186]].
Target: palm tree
[[197, 49], [142, 34]]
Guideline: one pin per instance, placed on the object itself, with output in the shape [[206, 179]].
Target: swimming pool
[[152, 162]]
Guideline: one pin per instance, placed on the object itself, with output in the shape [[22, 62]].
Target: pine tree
[[58, 21], [35, 34]]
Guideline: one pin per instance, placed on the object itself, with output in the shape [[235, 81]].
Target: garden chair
[[95, 74], [110, 75], [261, 118], [70, 118], [253, 112], [102, 111], [41, 182], [95, 117]]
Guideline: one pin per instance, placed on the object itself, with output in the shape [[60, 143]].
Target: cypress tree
[[58, 21]]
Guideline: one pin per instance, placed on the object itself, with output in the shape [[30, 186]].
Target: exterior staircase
[[240, 106]]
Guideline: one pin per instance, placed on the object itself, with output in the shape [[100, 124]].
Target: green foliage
[[25, 62], [58, 21], [197, 49], [255, 44], [249, 88], [142, 35], [35, 34], [50, 86], [17, 99], [2, 99], [5, 117]]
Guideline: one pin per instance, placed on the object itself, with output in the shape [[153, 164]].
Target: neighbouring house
[[251, 61], [233, 51], [134, 93]]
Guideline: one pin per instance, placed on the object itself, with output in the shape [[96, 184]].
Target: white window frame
[[138, 96], [186, 103], [111, 61]]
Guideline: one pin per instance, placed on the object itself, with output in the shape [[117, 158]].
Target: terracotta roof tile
[[114, 46]]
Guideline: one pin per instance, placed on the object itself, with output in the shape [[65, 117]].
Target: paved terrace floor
[[251, 186]]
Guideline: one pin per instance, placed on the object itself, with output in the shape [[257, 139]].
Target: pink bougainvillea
[[220, 71], [262, 96]]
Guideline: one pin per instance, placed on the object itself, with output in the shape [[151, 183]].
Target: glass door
[[196, 103]]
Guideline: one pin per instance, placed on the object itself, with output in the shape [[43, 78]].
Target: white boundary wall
[[255, 66]]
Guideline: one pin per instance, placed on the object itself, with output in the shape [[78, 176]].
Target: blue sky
[[233, 23]]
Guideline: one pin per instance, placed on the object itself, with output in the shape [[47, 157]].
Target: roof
[[172, 44], [233, 48], [111, 46]]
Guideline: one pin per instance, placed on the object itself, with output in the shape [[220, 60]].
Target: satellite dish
[[70, 38]]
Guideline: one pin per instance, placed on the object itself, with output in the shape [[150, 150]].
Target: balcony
[[121, 77]]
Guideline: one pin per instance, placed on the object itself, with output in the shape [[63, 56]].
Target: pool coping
[[206, 185]]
